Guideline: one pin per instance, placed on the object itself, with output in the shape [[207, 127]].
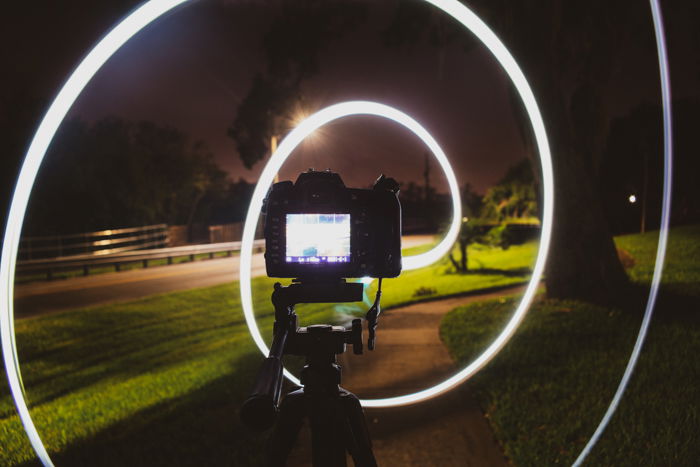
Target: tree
[[514, 195], [569, 55], [633, 165], [472, 229], [569, 50], [121, 173], [470, 232], [417, 22], [630, 168], [300, 30], [232, 204]]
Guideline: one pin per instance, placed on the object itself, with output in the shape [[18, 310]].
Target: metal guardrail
[[103, 242], [85, 262]]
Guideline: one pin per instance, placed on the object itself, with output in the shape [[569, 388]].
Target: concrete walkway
[[449, 430]]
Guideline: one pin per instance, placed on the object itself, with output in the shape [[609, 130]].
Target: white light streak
[[296, 137], [104, 49], [465, 16], [149, 12], [663, 231], [474, 24], [153, 9], [469, 20]]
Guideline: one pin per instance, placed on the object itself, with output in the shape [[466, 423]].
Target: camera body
[[318, 229]]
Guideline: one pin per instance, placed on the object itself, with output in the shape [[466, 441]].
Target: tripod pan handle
[[260, 409]]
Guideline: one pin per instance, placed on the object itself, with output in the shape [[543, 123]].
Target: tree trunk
[[570, 58], [461, 265], [583, 262], [463, 259], [454, 262]]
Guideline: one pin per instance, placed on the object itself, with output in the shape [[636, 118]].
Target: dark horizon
[[210, 72]]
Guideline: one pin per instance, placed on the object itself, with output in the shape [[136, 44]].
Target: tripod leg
[[359, 443], [327, 431], [286, 429]]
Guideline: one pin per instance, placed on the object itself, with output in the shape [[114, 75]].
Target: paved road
[[447, 431], [46, 297]]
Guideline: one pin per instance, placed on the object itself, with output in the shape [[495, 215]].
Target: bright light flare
[[632, 199]]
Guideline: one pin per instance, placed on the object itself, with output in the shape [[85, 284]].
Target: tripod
[[335, 415]]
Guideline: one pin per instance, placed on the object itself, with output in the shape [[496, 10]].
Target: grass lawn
[[682, 266], [546, 392], [159, 380]]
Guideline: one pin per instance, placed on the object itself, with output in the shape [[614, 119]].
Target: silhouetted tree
[[301, 29], [419, 23], [120, 173], [472, 229], [513, 196], [634, 165], [19, 115], [231, 205]]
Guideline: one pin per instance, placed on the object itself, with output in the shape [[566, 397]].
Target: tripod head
[[318, 343]]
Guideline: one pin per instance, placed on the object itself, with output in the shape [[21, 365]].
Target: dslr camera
[[318, 229]]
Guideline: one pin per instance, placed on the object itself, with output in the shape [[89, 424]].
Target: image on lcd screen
[[318, 238]]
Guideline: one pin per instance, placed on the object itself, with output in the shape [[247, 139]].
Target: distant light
[[465, 219], [633, 199]]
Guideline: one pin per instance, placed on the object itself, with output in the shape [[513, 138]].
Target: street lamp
[[298, 116]]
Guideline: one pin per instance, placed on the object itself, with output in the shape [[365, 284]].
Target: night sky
[[191, 70]]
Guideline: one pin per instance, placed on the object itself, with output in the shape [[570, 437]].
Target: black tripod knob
[[356, 336]]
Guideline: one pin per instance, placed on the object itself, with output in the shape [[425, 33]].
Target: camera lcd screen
[[318, 238]]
